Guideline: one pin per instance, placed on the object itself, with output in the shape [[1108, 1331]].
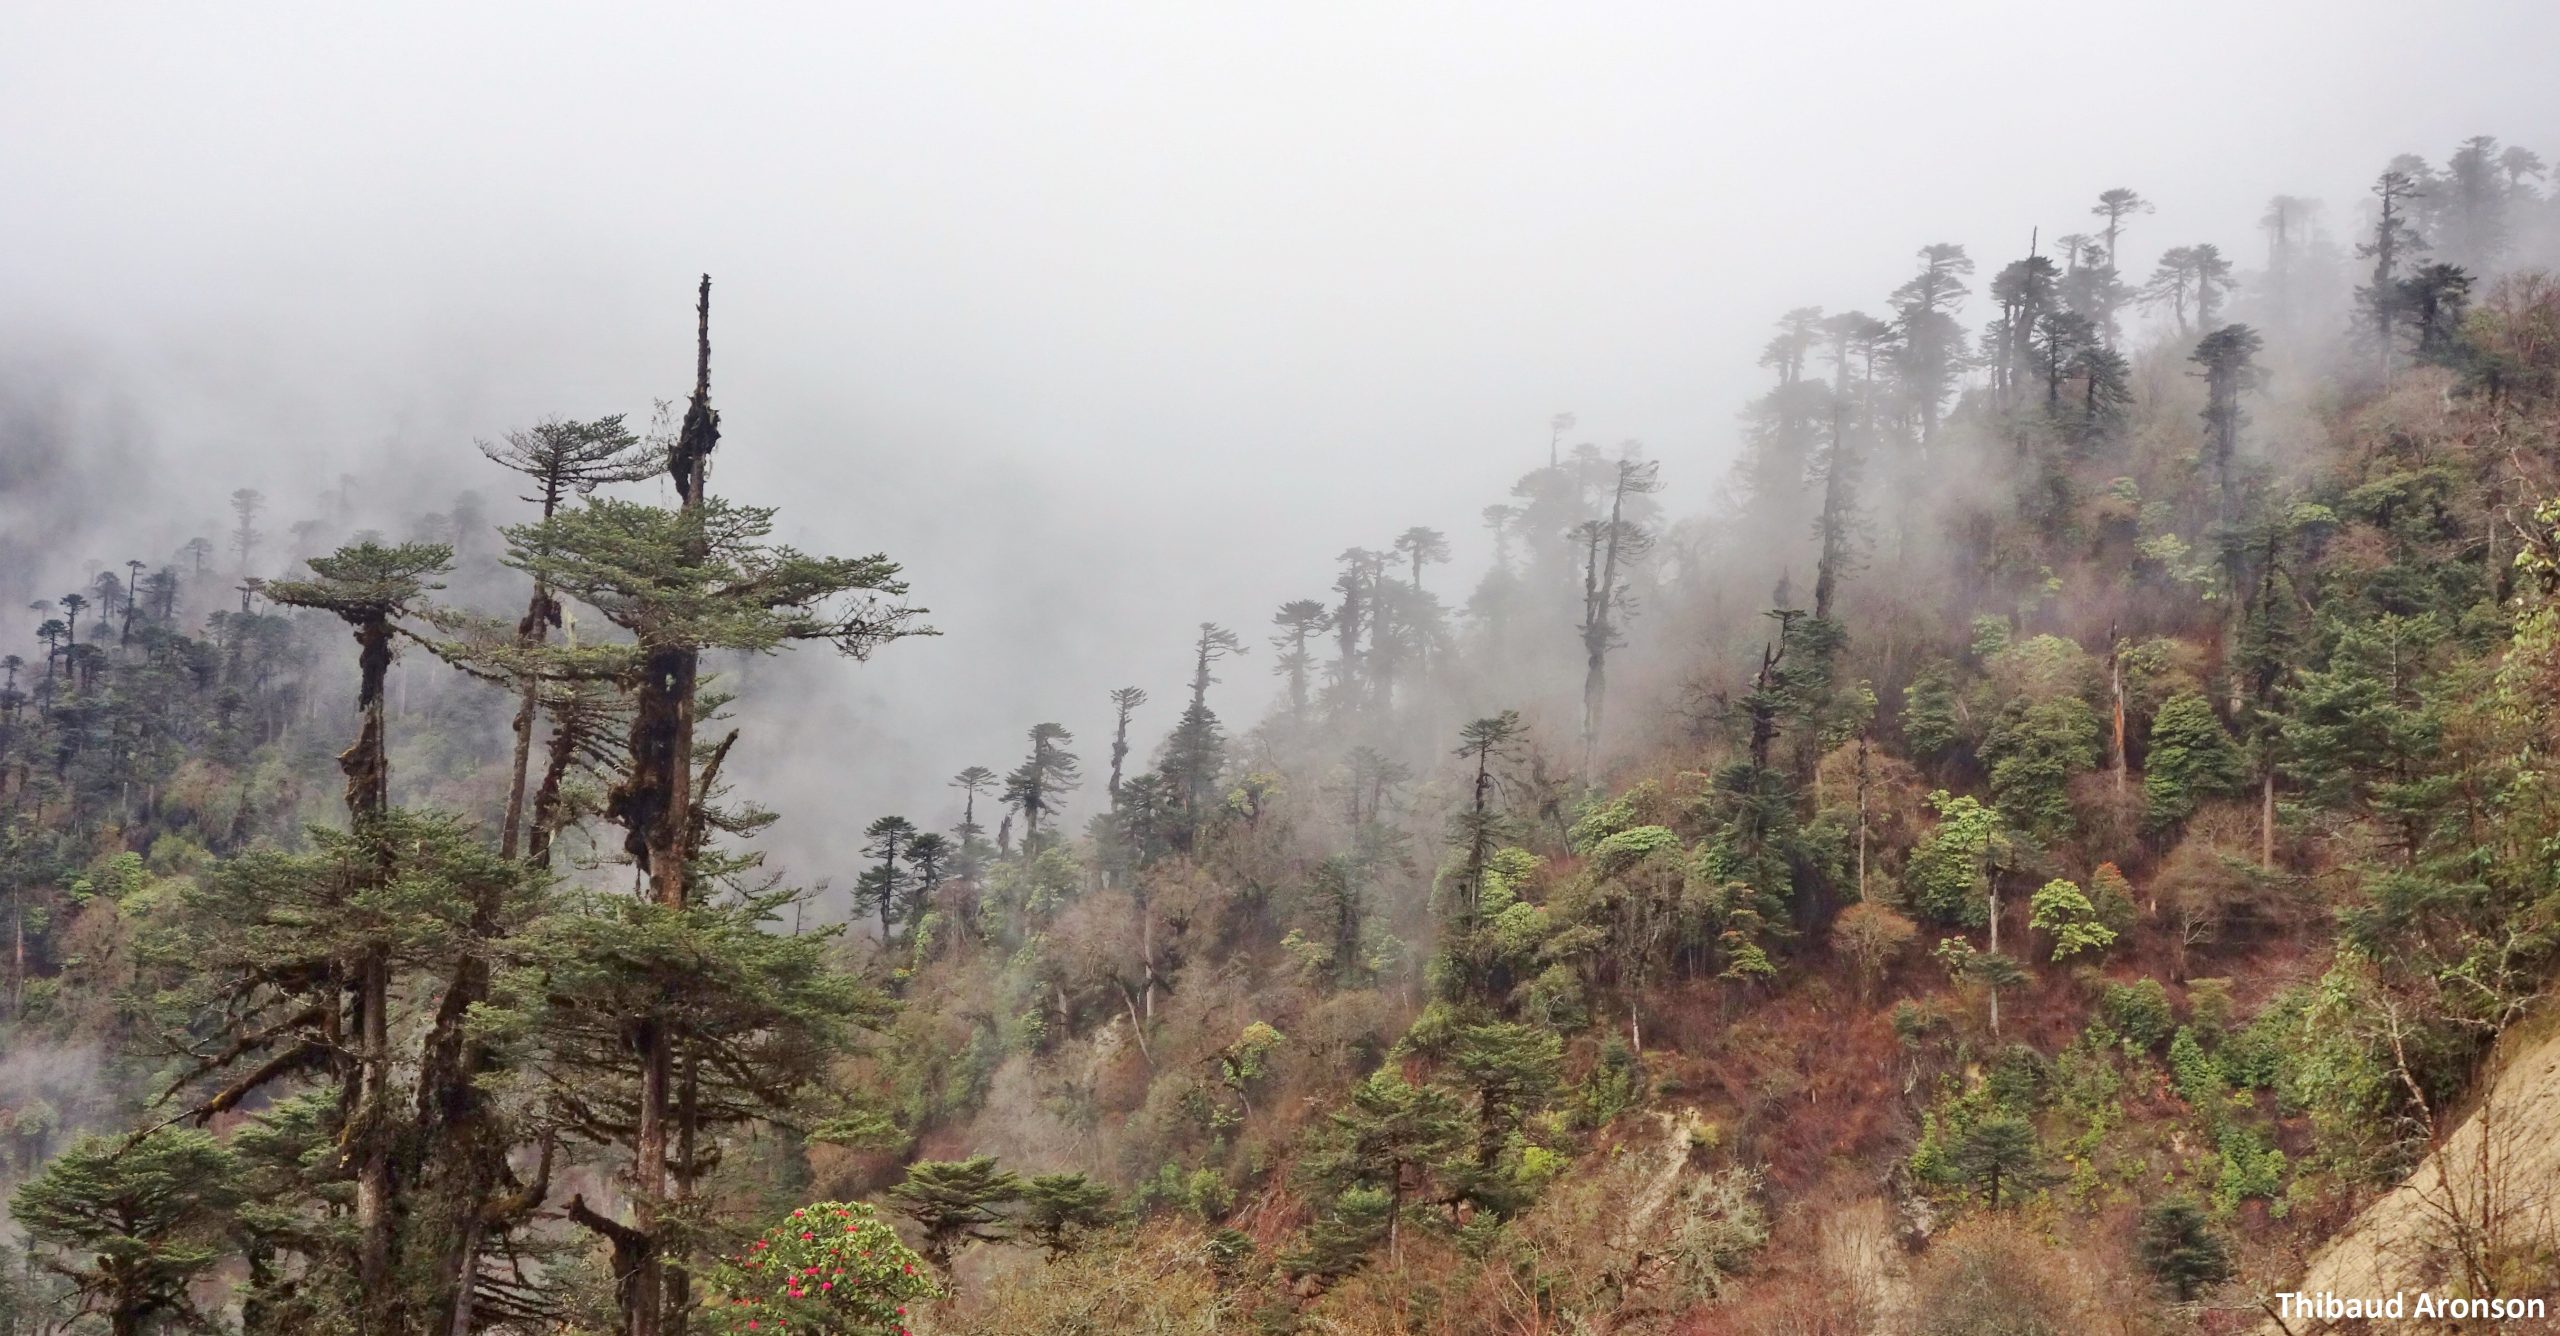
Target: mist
[[1103, 324]]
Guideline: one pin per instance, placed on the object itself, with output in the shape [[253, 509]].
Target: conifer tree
[[2025, 290], [1478, 831], [562, 459], [1038, 786], [2435, 299], [1785, 421], [247, 504], [955, 1202], [1419, 545], [1511, 1069], [1396, 1137], [883, 886], [2116, 206], [972, 782], [1300, 620], [2197, 273], [1352, 617], [1610, 547], [1059, 1209], [1195, 753], [1996, 1151], [2394, 240], [370, 588], [702, 576], [928, 854], [139, 1223], [2190, 757], [1124, 703], [2228, 357], [1930, 354], [2178, 1244]]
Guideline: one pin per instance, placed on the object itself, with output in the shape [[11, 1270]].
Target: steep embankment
[[2494, 1184]]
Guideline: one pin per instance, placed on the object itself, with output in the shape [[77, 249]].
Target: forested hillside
[[2064, 832]]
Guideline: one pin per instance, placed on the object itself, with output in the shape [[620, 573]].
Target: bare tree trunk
[[1994, 887], [546, 798], [1137, 1027], [513, 826], [2267, 819], [1595, 691], [1835, 519], [1147, 954], [367, 767], [2115, 690], [654, 806]]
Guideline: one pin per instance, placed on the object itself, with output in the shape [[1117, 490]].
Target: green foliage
[[2247, 1167], [2191, 757], [2062, 909], [1343, 1235], [1058, 1209], [136, 1226], [1242, 1061], [2088, 1087], [1604, 817], [2358, 726], [119, 877], [2198, 1076], [1201, 1193], [1392, 1133], [1931, 723], [2034, 748], [955, 1202], [761, 1012], [1949, 874], [1033, 889], [1615, 1084], [1512, 1071], [1980, 1142], [2180, 1248], [2254, 1057], [2139, 1011], [833, 1268], [367, 580], [1995, 1153], [1991, 637], [706, 576], [2111, 896]]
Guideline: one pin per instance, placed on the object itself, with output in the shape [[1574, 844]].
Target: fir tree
[[139, 1223], [2190, 757], [1059, 1209], [883, 886], [956, 1202], [1038, 787]]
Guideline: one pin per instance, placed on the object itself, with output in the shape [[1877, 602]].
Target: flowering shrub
[[832, 1269]]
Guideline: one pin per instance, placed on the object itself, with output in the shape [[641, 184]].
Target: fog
[[1104, 320]]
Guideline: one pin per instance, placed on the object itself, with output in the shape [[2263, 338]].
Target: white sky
[[1108, 318]]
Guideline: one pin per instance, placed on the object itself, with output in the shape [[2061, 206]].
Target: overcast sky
[[1104, 318]]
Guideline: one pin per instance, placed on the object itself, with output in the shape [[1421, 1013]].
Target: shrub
[[1993, 1279], [834, 1268], [1872, 936], [2139, 1011]]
